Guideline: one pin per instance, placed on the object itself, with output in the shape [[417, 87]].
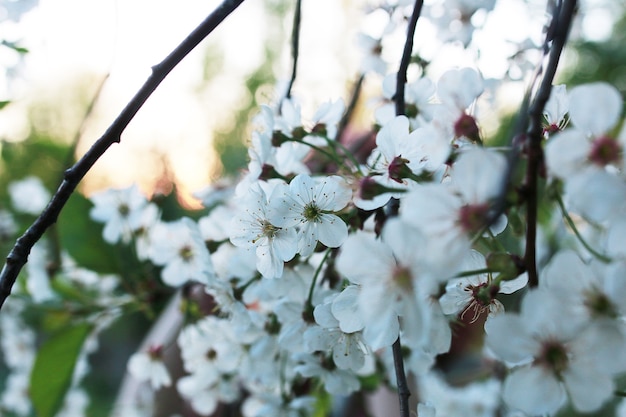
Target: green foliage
[[81, 237], [600, 61], [54, 367], [40, 156], [14, 46]]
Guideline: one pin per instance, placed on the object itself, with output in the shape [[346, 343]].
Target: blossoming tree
[[474, 278]]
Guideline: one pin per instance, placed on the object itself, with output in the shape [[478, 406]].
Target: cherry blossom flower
[[556, 109], [595, 293], [450, 215], [587, 156], [253, 228], [310, 205], [29, 195], [205, 395], [401, 155], [476, 294], [324, 123], [557, 357], [476, 399], [393, 284], [348, 350], [180, 249], [338, 381], [457, 89], [418, 98], [120, 210], [149, 366]]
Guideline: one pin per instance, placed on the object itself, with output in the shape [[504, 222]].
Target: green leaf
[[82, 237], [3, 103], [54, 367], [15, 47]]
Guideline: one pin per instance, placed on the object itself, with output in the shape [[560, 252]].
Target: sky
[[86, 43]]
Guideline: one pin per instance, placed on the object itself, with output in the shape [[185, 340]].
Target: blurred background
[[68, 67]]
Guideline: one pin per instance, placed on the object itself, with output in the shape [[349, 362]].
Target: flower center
[[473, 217], [186, 253], [155, 352], [605, 151], [123, 209], [466, 126], [312, 212], [482, 297], [402, 277], [211, 355], [268, 229], [398, 169], [599, 304], [554, 356]]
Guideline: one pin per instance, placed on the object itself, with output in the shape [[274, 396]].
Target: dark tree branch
[[406, 58], [18, 256], [391, 209], [295, 46], [558, 32], [347, 115], [403, 386]]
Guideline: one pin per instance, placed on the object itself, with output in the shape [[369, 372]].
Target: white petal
[[478, 173], [509, 338], [587, 387], [388, 137], [566, 153], [595, 107], [332, 231], [596, 195], [345, 308], [534, 390], [365, 259]]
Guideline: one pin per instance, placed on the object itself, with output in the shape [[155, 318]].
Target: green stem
[[332, 156], [309, 301], [345, 152], [572, 226], [473, 272]]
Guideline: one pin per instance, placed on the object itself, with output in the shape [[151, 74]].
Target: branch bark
[[558, 32], [394, 204], [18, 256]]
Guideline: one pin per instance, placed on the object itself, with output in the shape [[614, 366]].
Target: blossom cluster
[[301, 279]]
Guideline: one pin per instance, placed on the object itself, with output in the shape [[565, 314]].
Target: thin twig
[[347, 115], [295, 46], [18, 256], [520, 129], [558, 32], [393, 206], [403, 386], [406, 59]]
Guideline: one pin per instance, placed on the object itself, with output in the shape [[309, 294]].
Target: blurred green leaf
[[81, 237], [15, 47], [4, 103], [54, 367]]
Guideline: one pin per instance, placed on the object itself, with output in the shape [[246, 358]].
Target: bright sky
[[78, 42], [70, 39]]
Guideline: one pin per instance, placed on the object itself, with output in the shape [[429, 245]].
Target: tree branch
[[403, 386], [18, 256], [406, 59], [558, 32], [394, 204], [295, 46]]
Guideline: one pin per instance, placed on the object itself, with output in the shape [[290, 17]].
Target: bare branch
[[406, 58], [18, 256], [394, 204], [295, 46], [559, 30]]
